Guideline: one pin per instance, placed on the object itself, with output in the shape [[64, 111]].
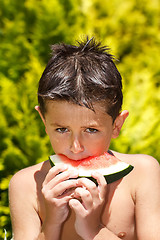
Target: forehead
[[65, 112]]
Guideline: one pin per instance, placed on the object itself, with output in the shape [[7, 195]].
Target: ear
[[37, 108], [118, 123]]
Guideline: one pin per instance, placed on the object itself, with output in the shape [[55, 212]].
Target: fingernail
[[94, 174], [72, 195], [75, 174], [64, 167]]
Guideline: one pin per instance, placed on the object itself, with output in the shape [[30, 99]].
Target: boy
[[80, 98]]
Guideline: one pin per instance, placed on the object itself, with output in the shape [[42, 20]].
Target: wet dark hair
[[82, 74]]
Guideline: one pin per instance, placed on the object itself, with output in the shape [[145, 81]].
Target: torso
[[119, 211], [118, 214]]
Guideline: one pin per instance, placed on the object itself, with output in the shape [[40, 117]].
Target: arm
[[57, 190], [148, 200], [88, 206], [25, 220]]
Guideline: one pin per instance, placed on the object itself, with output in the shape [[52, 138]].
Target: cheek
[[59, 142], [57, 146], [98, 145], [55, 141]]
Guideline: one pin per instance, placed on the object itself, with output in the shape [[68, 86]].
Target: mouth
[[74, 158]]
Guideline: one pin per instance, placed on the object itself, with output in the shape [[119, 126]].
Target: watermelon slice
[[108, 165]]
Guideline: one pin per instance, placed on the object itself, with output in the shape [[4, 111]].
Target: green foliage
[[28, 28]]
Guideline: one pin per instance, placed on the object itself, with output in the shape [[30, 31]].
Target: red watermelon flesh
[[111, 167]]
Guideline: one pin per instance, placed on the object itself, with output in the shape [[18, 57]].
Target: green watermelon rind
[[110, 178]]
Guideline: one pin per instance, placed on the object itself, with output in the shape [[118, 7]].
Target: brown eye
[[61, 130], [91, 130]]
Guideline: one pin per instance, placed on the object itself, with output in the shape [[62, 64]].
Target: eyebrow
[[90, 125], [56, 124]]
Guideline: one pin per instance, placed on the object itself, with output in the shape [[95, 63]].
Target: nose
[[76, 146]]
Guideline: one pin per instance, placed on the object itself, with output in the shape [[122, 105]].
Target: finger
[[62, 176], [85, 197], [54, 171], [90, 186], [77, 207], [64, 188], [102, 184]]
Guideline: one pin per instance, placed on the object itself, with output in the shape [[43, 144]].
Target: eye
[[61, 130], [91, 130]]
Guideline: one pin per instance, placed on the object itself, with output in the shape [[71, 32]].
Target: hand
[[88, 205], [57, 191]]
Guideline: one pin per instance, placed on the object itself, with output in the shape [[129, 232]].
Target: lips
[[75, 158]]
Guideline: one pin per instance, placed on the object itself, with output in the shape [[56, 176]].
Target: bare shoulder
[[144, 178], [24, 188], [27, 175], [146, 168], [27, 181], [139, 161]]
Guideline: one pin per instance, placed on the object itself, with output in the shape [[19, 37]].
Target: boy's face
[[76, 131]]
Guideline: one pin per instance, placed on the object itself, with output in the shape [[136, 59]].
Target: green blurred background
[[131, 28]]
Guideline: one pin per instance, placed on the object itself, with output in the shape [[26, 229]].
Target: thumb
[[76, 206]]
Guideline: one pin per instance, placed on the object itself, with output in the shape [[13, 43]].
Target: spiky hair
[[83, 74]]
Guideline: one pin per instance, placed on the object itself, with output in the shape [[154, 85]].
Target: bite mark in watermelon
[[108, 165]]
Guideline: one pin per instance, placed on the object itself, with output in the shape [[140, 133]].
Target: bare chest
[[118, 215], [119, 212]]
